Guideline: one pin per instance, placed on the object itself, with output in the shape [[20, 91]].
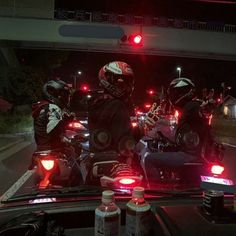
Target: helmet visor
[[64, 96], [123, 83]]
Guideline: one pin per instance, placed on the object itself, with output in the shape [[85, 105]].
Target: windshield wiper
[[56, 192], [81, 191]]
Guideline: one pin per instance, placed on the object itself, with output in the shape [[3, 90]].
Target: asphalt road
[[14, 166], [230, 162]]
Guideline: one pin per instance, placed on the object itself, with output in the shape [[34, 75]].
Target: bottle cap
[[138, 192], [107, 196]]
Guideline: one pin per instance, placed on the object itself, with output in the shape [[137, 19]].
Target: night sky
[[153, 71]]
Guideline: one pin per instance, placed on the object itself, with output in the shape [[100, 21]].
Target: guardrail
[[113, 18]]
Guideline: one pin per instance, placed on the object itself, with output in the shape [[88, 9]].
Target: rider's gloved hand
[[68, 116], [150, 121], [76, 144], [152, 116]]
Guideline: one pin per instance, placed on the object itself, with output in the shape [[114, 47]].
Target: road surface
[[14, 167]]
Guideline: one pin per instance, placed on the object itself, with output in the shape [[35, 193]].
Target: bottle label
[[107, 223], [137, 222]]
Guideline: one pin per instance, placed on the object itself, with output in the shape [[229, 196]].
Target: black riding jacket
[[193, 131], [109, 118], [48, 126]]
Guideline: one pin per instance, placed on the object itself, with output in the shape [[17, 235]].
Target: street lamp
[[79, 72], [179, 71]]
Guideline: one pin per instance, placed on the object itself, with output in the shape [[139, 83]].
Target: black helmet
[[57, 92], [117, 78], [180, 91]]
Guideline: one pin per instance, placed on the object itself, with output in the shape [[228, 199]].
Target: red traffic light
[[136, 39], [151, 92], [85, 88], [133, 39]]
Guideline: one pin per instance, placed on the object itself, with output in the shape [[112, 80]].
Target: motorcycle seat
[[105, 156], [193, 164], [47, 152]]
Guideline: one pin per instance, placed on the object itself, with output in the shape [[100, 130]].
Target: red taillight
[[126, 181], [76, 125], [139, 112], [210, 119], [217, 169], [123, 182], [134, 124], [147, 105], [48, 164], [177, 114]]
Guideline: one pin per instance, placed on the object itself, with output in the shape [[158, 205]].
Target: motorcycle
[[163, 137], [108, 169], [60, 167], [105, 168], [161, 149]]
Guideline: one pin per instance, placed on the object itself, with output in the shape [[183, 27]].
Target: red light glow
[[217, 169], [126, 181], [210, 120], [150, 92], [76, 125], [134, 124], [176, 114], [137, 39], [48, 164], [147, 105], [85, 87], [139, 112]]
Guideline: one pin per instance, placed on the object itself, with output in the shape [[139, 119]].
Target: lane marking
[[17, 185], [230, 145], [11, 151], [2, 149]]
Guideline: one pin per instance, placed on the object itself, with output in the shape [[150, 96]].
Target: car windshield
[[68, 128]]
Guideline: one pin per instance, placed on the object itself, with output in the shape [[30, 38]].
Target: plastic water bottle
[[137, 214], [107, 216]]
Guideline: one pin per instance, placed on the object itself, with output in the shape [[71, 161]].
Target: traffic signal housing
[[133, 40]]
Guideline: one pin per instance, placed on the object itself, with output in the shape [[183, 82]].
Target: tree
[[22, 86], [44, 61]]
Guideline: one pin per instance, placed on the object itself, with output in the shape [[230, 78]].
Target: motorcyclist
[[192, 132], [208, 103], [51, 115], [155, 119], [109, 112]]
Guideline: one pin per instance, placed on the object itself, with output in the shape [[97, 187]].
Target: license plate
[[210, 179]]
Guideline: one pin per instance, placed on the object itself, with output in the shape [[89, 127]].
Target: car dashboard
[[169, 216]]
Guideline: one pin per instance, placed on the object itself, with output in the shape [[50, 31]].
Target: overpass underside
[[104, 37]]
